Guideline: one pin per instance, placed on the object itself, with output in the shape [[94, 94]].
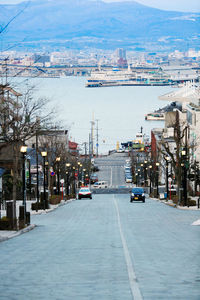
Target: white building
[[189, 96]]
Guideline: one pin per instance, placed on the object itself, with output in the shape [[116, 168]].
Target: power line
[[13, 18]]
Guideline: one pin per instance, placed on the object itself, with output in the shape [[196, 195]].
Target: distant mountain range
[[94, 23]]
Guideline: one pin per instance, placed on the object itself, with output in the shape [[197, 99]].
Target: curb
[[17, 233], [191, 208], [43, 212]]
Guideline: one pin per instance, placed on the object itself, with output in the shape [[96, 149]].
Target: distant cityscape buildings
[[82, 62], [121, 57]]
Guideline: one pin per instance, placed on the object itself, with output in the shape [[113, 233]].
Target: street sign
[[169, 179], [52, 173], [62, 181], [2, 171]]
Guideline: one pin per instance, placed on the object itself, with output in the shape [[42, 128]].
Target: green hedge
[[6, 224], [39, 205], [191, 202], [55, 199]]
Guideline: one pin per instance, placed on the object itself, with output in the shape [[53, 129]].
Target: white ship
[[125, 78], [101, 78]]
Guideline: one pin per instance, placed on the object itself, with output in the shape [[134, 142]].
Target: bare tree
[[53, 142], [180, 139], [19, 121]]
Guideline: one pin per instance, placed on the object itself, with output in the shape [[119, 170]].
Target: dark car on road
[[137, 194]]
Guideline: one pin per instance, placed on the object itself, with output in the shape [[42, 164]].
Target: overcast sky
[[179, 5]]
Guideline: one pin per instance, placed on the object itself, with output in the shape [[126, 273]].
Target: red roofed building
[[73, 148]]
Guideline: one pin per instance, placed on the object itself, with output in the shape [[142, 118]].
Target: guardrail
[[118, 190]]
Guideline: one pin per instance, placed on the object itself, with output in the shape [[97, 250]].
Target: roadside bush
[[175, 198], [5, 224], [55, 199], [37, 206], [191, 202], [68, 197]]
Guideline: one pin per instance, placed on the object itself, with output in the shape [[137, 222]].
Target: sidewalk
[[172, 204], [8, 234]]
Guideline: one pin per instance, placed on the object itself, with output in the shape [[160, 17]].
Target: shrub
[[191, 202], [55, 199], [39, 205], [72, 196], [175, 199], [5, 224]]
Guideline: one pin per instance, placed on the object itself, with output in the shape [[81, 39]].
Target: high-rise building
[[121, 57]]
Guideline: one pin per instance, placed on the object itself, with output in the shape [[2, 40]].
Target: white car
[[100, 185], [84, 192], [129, 179]]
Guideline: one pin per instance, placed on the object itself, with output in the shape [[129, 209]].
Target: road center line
[[131, 273]]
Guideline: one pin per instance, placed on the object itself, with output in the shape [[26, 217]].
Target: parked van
[[100, 185]]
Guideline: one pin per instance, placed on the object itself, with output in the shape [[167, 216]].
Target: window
[[189, 117]]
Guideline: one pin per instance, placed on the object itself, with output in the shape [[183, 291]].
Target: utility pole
[[37, 170], [89, 146], [186, 165], [97, 136], [85, 146], [92, 138]]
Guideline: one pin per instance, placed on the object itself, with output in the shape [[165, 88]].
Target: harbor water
[[120, 110]]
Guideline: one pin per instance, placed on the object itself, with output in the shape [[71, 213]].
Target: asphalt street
[[105, 248], [111, 169]]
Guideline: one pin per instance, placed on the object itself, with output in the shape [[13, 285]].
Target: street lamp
[[44, 154], [79, 165], [67, 173], [83, 179], [157, 178], [145, 172], [136, 174], [74, 180], [167, 175], [184, 157], [23, 150], [58, 175], [150, 183]]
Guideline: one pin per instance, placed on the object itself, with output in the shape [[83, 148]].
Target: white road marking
[[131, 273]]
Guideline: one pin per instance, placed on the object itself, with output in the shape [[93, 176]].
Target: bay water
[[120, 110]]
